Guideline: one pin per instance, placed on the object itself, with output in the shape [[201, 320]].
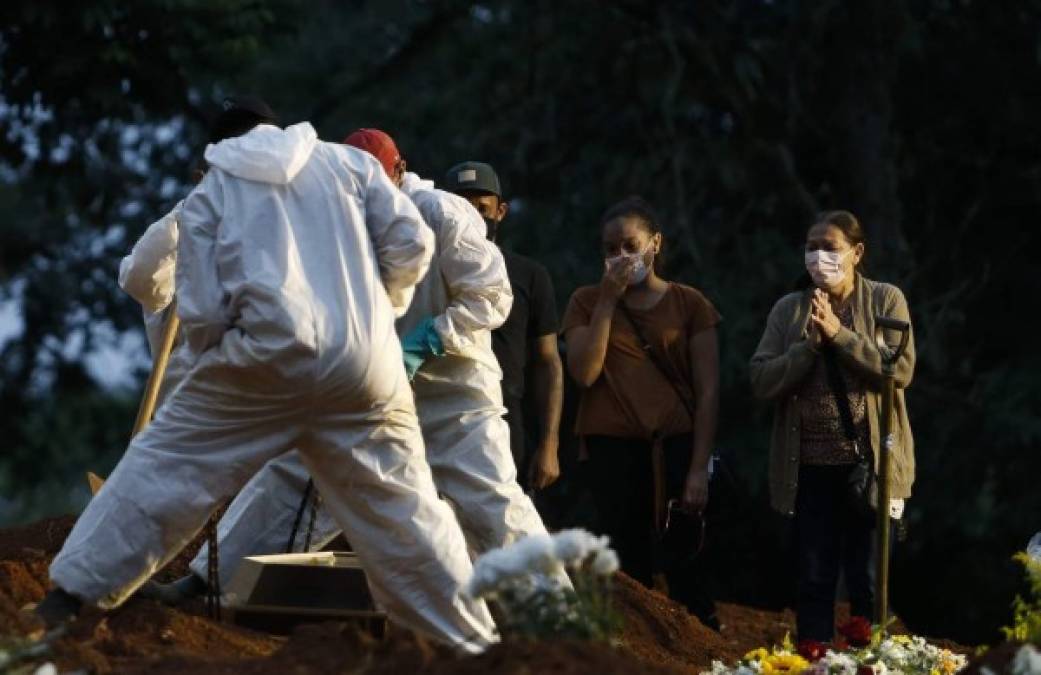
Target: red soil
[[143, 637]]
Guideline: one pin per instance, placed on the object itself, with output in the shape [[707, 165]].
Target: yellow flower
[[901, 639], [757, 655], [784, 663], [948, 664]]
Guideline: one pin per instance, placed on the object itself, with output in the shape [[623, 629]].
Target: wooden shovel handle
[[155, 379]]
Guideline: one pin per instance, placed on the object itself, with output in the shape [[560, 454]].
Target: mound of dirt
[[658, 630], [997, 660], [140, 631], [43, 537], [340, 648], [658, 635]]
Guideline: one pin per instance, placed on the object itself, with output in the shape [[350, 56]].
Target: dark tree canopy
[[737, 120]]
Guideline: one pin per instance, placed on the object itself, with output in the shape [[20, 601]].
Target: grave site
[[520, 336], [656, 636]]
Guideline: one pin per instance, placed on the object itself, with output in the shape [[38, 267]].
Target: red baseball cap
[[378, 144]]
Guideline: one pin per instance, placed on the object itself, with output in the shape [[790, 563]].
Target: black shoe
[[176, 592], [57, 608]]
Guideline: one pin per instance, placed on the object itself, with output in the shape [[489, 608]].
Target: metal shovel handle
[[889, 358]]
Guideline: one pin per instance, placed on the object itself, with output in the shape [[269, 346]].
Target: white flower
[[46, 669], [893, 653], [494, 568], [540, 559], [605, 562], [537, 553], [719, 668], [1028, 658], [838, 662], [481, 583], [1034, 548], [572, 546]]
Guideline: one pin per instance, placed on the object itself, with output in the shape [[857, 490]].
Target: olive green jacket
[[784, 359]]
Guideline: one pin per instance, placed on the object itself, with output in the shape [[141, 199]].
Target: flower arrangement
[[1027, 661], [864, 654], [1026, 614], [23, 651], [533, 597]]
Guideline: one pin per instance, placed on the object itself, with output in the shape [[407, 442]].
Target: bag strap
[[656, 360], [837, 384], [657, 442]]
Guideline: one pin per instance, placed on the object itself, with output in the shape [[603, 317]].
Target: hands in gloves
[[420, 343]]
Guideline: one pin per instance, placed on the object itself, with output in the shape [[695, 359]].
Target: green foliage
[[583, 613], [64, 437], [738, 121], [1026, 613]]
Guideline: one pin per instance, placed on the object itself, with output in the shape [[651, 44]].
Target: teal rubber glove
[[421, 343]]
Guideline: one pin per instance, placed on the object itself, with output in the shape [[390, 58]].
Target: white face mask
[[640, 269], [826, 267]]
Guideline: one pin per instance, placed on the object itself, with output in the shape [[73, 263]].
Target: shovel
[[155, 381], [889, 358], [145, 411], [155, 378]]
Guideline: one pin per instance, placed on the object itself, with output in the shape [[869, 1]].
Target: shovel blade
[[95, 482]]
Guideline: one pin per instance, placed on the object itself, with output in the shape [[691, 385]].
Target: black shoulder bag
[[862, 485], [678, 529]]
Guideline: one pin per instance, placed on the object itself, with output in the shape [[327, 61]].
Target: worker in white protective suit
[[446, 335], [147, 275], [288, 253]]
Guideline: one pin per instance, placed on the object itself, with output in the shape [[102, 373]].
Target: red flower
[[811, 650], [857, 630], [865, 670], [841, 644]]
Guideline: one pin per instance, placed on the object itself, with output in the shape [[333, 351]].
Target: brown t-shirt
[[632, 398]]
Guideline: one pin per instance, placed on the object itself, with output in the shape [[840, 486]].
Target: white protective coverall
[[458, 398], [285, 251], [147, 275]]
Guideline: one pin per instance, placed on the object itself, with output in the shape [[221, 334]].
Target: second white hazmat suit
[[458, 399], [287, 251]]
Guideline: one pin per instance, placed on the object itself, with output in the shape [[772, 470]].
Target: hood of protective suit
[[265, 154], [412, 184]]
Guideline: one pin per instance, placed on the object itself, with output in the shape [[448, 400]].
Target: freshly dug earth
[[144, 637], [997, 660]]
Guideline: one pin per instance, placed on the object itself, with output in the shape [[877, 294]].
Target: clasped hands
[[824, 323]]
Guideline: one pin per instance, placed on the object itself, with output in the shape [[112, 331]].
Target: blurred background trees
[[738, 120]]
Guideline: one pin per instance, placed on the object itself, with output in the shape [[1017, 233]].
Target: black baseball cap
[[248, 104], [238, 114], [473, 177]]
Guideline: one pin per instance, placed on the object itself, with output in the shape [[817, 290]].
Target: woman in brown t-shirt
[[644, 351]]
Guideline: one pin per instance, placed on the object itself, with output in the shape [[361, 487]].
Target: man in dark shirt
[[529, 335]]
